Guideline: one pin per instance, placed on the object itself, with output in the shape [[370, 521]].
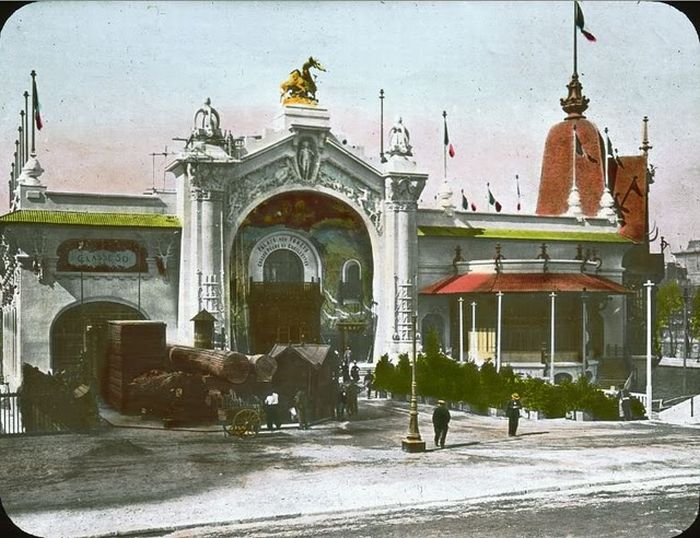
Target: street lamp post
[[461, 329], [686, 343], [648, 285], [499, 334], [553, 297], [413, 441], [473, 338]]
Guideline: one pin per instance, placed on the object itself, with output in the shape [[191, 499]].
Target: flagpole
[[517, 187], [444, 146], [381, 126], [607, 144], [575, 51], [26, 124], [33, 73], [573, 185]]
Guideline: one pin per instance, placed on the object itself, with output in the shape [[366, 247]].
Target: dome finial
[[575, 103]]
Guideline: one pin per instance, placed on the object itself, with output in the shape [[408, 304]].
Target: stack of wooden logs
[[134, 347], [194, 376]]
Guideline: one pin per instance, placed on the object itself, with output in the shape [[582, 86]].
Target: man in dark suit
[[513, 413], [441, 419]]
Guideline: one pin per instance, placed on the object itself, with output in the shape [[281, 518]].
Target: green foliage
[[402, 379], [669, 305], [384, 374], [694, 328]]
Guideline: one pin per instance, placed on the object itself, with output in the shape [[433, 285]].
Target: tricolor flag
[[465, 203], [493, 201], [517, 188], [450, 148], [634, 187], [36, 107], [581, 22], [617, 159]]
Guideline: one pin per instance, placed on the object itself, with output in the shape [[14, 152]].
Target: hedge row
[[439, 376]]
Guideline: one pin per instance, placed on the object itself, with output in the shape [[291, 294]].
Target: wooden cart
[[240, 417]]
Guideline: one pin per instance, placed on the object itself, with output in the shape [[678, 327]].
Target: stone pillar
[[207, 186], [403, 186]]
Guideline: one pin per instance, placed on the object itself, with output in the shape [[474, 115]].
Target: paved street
[[558, 478]]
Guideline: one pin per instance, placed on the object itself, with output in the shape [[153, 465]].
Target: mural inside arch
[[311, 311]]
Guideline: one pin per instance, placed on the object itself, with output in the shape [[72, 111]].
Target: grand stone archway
[[289, 273]]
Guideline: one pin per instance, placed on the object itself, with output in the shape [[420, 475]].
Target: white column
[[461, 329], [472, 346], [553, 296], [584, 347], [499, 331], [649, 285]]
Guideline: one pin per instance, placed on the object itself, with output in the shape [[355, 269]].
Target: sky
[[118, 81]]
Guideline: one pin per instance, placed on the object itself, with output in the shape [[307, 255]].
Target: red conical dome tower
[[558, 160]]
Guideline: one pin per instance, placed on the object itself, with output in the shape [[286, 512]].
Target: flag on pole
[[450, 147], [618, 162], [579, 147], [609, 148], [466, 204], [517, 188], [581, 23], [36, 107], [628, 383], [493, 201]]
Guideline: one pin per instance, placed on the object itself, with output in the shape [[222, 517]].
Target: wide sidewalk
[[359, 466]]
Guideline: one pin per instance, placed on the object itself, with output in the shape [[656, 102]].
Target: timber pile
[[265, 367], [134, 347], [170, 394], [229, 365]]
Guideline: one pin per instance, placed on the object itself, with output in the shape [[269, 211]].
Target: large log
[[265, 367], [230, 365]]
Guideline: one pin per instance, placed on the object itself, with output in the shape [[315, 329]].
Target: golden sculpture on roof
[[300, 87]]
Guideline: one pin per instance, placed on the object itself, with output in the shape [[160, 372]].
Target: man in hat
[[513, 413], [441, 418]]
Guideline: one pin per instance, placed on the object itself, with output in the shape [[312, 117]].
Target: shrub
[[384, 374]]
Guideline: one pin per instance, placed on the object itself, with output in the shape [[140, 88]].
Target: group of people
[[299, 411], [441, 419]]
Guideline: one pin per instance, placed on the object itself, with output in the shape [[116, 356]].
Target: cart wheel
[[246, 423]]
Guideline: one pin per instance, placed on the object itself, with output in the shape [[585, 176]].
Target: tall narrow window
[[352, 282]]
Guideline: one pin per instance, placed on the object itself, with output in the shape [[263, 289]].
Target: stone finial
[[444, 196], [607, 207], [31, 172], [575, 103], [206, 120], [399, 140], [574, 202]]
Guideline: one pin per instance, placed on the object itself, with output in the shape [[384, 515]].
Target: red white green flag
[[581, 23], [450, 148], [493, 201], [36, 107]]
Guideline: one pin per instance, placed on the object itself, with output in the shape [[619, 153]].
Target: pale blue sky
[[119, 80]]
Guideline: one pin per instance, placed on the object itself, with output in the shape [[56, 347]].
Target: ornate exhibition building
[[295, 236]]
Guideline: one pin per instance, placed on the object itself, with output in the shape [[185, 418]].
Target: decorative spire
[[574, 201], [575, 103], [607, 207], [645, 147]]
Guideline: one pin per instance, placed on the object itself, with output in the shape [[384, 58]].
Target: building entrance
[[284, 308], [81, 331]]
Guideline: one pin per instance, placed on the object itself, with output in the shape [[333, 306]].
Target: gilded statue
[[300, 87]]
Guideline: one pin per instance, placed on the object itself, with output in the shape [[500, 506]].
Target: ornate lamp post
[[648, 285], [413, 441]]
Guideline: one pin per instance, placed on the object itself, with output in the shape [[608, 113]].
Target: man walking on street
[[513, 413], [441, 419], [271, 410]]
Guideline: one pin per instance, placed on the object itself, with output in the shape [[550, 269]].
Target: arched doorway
[[301, 265], [81, 331]]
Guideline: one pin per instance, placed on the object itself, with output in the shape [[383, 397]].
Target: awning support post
[[553, 297], [499, 329]]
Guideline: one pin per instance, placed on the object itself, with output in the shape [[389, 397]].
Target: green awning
[[79, 218], [534, 235]]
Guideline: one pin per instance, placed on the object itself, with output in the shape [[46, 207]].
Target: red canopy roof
[[523, 283]]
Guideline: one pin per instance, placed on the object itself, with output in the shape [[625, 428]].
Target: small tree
[[669, 305]]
